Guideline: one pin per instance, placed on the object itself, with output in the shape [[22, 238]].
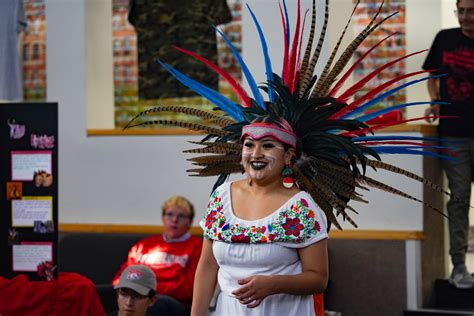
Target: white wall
[[124, 180]]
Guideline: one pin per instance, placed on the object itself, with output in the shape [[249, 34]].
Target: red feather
[[374, 73], [294, 52], [236, 87], [365, 131], [285, 57]]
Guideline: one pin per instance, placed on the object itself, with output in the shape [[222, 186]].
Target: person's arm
[[204, 280], [433, 91], [313, 279]]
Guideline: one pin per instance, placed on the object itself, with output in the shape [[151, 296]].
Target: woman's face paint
[[264, 158]]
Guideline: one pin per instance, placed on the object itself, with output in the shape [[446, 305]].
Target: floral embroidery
[[294, 223], [292, 226]]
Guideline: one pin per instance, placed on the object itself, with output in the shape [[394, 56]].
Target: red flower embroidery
[[271, 237], [210, 219], [304, 202], [317, 226], [240, 238], [292, 226]]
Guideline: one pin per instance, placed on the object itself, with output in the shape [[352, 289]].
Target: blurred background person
[[173, 256], [136, 291], [452, 53]]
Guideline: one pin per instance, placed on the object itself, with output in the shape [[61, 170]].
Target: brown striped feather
[[309, 48], [324, 74], [347, 54], [309, 72]]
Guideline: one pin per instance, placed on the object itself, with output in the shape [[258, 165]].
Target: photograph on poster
[[17, 131], [30, 209], [14, 190], [26, 163], [42, 179], [13, 237], [41, 141], [28, 255], [43, 227]]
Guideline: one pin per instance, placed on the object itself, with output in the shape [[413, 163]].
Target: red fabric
[[71, 294], [173, 263], [319, 304]]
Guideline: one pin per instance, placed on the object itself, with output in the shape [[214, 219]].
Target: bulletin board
[[29, 189]]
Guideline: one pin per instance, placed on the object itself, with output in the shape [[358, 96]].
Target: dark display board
[[29, 189]]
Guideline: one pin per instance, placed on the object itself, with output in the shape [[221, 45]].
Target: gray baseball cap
[[139, 278]]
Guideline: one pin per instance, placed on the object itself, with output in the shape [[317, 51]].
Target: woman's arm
[[204, 280], [313, 279]]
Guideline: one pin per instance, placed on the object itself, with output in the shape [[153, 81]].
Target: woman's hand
[[253, 290]]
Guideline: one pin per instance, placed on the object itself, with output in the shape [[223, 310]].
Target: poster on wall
[[144, 31], [392, 48], [29, 198]]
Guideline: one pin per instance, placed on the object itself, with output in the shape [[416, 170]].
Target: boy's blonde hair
[[179, 201]]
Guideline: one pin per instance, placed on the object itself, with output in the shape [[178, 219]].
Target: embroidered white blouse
[[267, 246]]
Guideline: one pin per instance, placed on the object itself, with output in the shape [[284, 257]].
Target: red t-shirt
[[174, 264]]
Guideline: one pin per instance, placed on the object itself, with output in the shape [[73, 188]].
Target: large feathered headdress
[[334, 145]]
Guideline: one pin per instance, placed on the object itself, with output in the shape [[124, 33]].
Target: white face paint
[[264, 158]]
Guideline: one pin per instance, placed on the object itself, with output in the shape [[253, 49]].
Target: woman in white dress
[[265, 240]]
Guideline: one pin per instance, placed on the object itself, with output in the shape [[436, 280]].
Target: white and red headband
[[261, 130]]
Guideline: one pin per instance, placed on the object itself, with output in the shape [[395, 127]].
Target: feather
[[372, 93], [354, 66], [364, 131], [371, 115], [230, 146], [220, 120], [386, 94], [314, 59], [293, 53], [236, 87], [211, 171], [266, 57], [215, 97], [215, 159], [325, 72], [286, 39], [309, 48], [360, 83], [384, 187], [409, 151], [346, 55], [188, 125], [315, 194], [411, 175], [248, 76]]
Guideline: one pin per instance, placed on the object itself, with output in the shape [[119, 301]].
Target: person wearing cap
[[173, 256], [136, 291]]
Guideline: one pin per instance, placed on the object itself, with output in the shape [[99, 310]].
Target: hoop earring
[[288, 181]]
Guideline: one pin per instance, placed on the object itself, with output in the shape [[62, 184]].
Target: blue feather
[[251, 81], [393, 137], [268, 64], [218, 99], [364, 118], [408, 151], [285, 10], [386, 94]]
